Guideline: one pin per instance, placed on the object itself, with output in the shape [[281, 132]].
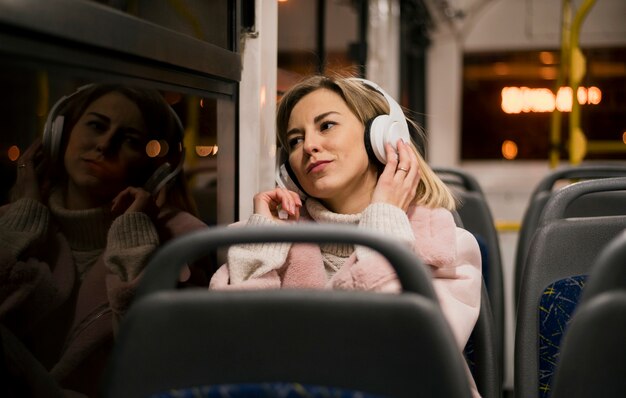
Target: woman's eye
[[326, 125], [294, 141], [97, 125]]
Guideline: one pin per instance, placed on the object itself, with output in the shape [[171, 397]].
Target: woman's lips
[[317, 166], [96, 166]]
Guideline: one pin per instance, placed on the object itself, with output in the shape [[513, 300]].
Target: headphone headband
[[395, 111], [53, 127]]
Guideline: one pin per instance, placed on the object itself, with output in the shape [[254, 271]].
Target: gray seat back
[[609, 271], [560, 256], [481, 352], [604, 203], [476, 217], [380, 344], [593, 355]]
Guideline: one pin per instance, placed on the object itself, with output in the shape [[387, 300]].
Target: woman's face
[[106, 150], [327, 152]]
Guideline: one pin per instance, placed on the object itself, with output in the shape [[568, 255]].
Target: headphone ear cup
[[53, 128], [285, 177], [386, 128], [377, 130], [52, 137]]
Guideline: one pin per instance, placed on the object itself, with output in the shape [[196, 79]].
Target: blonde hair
[[366, 103]]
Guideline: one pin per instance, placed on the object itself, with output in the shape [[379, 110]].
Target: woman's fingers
[[31, 151], [133, 199], [404, 159], [290, 202], [28, 167], [408, 168], [397, 184], [392, 162], [278, 203]]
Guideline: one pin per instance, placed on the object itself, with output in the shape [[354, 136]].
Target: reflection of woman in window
[[81, 227]]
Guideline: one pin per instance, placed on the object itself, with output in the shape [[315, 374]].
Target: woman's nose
[[104, 142], [311, 143]]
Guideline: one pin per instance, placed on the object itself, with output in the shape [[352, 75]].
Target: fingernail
[[282, 214]]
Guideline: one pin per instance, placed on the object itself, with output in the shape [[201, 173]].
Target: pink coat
[[451, 254]]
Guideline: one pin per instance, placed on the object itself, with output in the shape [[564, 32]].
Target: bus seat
[[593, 354], [481, 352], [611, 203], [609, 271], [195, 340], [592, 362], [560, 256], [476, 217]]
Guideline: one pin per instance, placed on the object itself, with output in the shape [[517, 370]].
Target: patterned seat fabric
[[263, 390], [556, 307]]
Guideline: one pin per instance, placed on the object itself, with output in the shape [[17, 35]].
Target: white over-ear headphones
[[285, 177], [378, 131], [385, 128]]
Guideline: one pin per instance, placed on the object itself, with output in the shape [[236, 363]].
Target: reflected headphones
[[378, 131], [53, 137], [53, 129]]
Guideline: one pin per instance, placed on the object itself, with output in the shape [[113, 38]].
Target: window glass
[[508, 99], [28, 93], [313, 39], [209, 21]]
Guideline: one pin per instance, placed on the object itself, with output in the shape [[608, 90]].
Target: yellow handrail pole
[[191, 130], [577, 140], [555, 118], [183, 10], [43, 99]]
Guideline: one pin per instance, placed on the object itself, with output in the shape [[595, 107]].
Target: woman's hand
[[29, 166], [270, 203], [134, 199], [397, 183]]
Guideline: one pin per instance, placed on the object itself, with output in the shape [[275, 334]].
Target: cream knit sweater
[[252, 260]]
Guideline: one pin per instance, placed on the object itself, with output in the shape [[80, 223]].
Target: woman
[[321, 125], [81, 228]]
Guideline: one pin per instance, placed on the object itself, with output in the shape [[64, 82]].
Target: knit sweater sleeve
[[25, 221], [27, 284], [131, 240], [256, 260]]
